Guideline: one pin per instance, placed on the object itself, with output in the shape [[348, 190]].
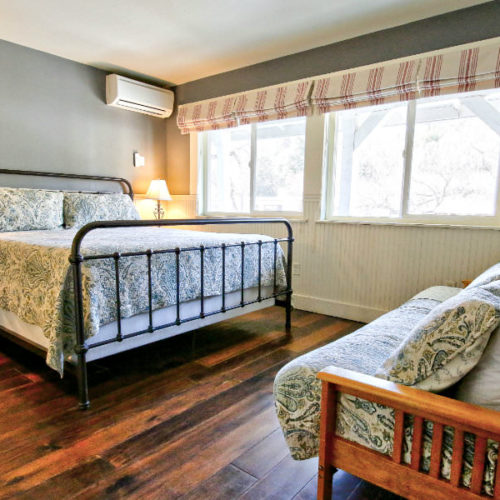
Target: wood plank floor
[[164, 423]]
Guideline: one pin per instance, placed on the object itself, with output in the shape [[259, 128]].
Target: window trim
[[202, 141], [405, 218]]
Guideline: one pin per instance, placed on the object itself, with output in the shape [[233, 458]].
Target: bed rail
[[389, 471], [120, 180], [77, 259]]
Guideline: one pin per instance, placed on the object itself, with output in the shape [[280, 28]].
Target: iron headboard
[[123, 182]]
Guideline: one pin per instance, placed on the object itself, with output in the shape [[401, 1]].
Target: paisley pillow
[[445, 345], [82, 208], [24, 209]]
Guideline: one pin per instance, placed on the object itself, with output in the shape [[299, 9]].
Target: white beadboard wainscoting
[[360, 271]]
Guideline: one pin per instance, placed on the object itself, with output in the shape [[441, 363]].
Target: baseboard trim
[[355, 312]]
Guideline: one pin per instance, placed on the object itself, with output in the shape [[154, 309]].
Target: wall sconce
[[158, 191]]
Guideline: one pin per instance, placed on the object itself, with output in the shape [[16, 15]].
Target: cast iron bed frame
[[77, 259]]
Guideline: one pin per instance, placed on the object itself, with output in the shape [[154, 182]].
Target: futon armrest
[[479, 420]]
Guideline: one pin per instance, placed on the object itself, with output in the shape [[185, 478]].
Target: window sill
[[293, 219], [409, 224]]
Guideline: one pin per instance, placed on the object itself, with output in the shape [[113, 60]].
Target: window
[[254, 168], [429, 160]]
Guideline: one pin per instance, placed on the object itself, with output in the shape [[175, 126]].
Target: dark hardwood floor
[[164, 423]]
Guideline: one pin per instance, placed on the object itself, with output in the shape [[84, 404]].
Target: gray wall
[[53, 117], [455, 28]]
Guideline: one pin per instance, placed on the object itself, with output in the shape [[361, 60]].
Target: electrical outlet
[[296, 269]]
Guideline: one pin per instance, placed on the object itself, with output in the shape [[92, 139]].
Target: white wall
[[359, 271]]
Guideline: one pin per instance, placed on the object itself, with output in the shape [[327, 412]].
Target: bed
[[85, 292]]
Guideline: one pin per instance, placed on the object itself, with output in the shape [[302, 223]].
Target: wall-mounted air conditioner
[[138, 96]]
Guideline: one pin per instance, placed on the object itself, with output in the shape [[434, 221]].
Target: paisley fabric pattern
[[30, 209], [297, 391], [38, 261], [82, 208], [448, 342]]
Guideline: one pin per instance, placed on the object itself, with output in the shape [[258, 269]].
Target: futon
[[415, 443]]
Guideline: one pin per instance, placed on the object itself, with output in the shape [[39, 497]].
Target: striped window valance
[[459, 69], [447, 72], [269, 103], [211, 114], [274, 103], [475, 68], [366, 87]]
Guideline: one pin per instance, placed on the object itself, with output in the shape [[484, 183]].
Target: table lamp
[[158, 191]]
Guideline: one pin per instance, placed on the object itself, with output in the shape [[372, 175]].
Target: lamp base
[[158, 212]]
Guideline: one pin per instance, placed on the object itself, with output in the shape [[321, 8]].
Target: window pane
[[455, 157], [279, 169], [228, 170], [369, 162]]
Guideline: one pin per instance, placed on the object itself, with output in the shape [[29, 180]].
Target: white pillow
[[491, 274], [482, 385]]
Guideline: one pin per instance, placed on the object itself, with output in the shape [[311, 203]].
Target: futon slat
[[457, 457], [416, 446], [478, 467], [496, 492], [437, 443], [398, 435]]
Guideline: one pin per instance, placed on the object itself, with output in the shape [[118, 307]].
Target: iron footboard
[[77, 259]]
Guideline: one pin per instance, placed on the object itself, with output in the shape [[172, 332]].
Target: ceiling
[[175, 41]]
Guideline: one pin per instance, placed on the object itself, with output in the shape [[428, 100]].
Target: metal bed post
[[81, 347], [288, 300]]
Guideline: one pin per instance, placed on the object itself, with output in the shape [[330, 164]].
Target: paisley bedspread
[[36, 280]]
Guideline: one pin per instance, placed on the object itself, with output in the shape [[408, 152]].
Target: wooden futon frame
[[389, 472]]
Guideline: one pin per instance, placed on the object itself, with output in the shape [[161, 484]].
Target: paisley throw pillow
[[24, 209], [445, 345], [82, 208]]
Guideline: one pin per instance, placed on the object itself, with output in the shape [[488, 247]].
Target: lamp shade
[[158, 190]]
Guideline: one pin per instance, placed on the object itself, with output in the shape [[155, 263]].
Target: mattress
[[33, 334], [36, 281]]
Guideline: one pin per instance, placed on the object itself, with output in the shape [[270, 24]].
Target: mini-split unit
[[138, 96]]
